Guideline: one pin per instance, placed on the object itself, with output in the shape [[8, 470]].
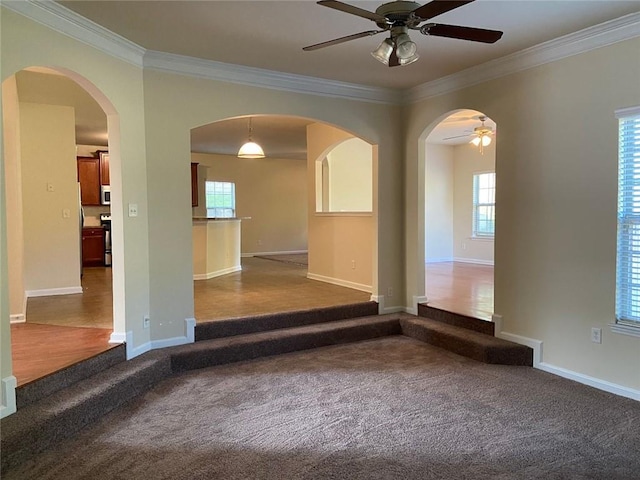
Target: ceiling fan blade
[[336, 41], [462, 33], [438, 7], [344, 7]]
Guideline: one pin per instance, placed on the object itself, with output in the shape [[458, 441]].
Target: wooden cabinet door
[[89, 178], [105, 178], [92, 247], [194, 184]]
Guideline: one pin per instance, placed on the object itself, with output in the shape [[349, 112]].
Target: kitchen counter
[[216, 247]]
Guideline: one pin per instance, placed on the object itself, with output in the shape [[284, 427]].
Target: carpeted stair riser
[[478, 346], [43, 387], [246, 347], [261, 323], [34, 428], [457, 319]]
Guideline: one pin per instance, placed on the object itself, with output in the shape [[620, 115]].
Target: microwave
[[105, 194]]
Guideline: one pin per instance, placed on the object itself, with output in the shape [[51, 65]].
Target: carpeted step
[[456, 319], [475, 345], [244, 347], [43, 387], [35, 427], [261, 323]]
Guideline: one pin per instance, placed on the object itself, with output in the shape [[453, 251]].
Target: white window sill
[[343, 214], [482, 239], [624, 329]]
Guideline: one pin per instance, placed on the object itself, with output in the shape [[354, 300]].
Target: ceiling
[[270, 35]]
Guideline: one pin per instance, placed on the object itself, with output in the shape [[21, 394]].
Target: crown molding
[[597, 36], [258, 77], [53, 15], [67, 22]]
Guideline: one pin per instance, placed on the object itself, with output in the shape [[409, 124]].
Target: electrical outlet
[[146, 321], [133, 209], [259, 242], [353, 264], [596, 335], [390, 292]]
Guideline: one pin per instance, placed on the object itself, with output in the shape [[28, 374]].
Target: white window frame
[[628, 224], [221, 188], [475, 232]]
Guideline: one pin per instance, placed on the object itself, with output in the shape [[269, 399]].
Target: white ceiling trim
[[608, 33], [258, 77], [69, 23]]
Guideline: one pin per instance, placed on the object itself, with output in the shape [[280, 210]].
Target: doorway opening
[[56, 164], [460, 188], [259, 242]]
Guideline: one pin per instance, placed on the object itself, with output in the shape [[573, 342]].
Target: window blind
[[628, 249]]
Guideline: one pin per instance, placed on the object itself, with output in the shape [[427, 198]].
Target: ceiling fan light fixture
[[407, 61], [250, 149], [405, 48], [384, 51]]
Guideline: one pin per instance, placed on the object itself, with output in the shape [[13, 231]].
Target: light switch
[[50, 187], [133, 209]]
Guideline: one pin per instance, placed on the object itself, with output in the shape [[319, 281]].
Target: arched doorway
[[278, 235], [60, 314], [459, 218]]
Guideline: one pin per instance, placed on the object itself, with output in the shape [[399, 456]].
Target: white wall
[[467, 162], [350, 182], [50, 207], [341, 245], [272, 192], [556, 167], [438, 203]]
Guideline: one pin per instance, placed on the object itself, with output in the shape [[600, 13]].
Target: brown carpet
[[393, 408]]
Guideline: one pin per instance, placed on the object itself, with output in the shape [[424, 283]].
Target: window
[[484, 204], [221, 199], [628, 258]]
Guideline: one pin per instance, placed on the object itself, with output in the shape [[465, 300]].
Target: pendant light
[[250, 149]]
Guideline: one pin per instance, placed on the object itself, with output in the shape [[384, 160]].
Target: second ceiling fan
[[398, 18]]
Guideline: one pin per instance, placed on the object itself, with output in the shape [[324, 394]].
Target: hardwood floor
[[61, 330], [458, 287]]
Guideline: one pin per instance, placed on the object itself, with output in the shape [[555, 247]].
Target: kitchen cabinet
[[89, 178], [93, 247], [194, 184], [105, 178]]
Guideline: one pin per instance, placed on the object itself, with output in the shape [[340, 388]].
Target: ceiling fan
[[481, 135], [398, 17]]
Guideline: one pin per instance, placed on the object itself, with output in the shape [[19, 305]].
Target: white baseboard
[[8, 396], [383, 309], [339, 282], [189, 337], [284, 252], [17, 318], [439, 260], [118, 337], [218, 273], [47, 292], [538, 363], [473, 260], [413, 309]]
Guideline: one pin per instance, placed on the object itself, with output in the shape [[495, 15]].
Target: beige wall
[[13, 192], [272, 192], [216, 248], [341, 246], [350, 177], [438, 206], [556, 163], [468, 161], [50, 208]]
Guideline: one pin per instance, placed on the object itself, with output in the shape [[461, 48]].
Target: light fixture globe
[[407, 61], [384, 51], [250, 150], [405, 48]]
